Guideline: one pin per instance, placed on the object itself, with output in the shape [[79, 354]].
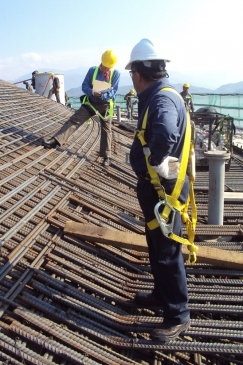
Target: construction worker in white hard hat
[[94, 102], [130, 101], [157, 149], [55, 87], [187, 98]]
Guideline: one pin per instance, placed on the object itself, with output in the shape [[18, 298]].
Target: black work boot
[[106, 162], [146, 300], [167, 332], [50, 143]]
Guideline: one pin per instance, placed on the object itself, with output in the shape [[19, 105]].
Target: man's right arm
[[163, 131], [164, 134]]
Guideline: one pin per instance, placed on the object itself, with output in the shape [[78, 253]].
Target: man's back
[[165, 127], [56, 83]]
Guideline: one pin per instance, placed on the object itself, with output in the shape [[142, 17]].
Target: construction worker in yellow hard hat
[[98, 99], [130, 101], [55, 87], [187, 98]]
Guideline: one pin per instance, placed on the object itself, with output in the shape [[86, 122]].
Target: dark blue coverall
[[165, 136]]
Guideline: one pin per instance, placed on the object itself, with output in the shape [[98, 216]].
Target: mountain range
[[74, 78]]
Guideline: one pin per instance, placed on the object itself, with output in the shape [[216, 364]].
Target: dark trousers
[[80, 117], [57, 95], [130, 108], [165, 255]]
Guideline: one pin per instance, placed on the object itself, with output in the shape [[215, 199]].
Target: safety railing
[[227, 104]]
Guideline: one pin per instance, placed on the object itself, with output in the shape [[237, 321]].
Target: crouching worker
[[94, 103], [162, 114]]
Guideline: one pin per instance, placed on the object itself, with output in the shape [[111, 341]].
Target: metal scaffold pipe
[[19, 82], [118, 113], [216, 185]]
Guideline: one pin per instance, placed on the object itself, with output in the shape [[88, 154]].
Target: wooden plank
[[137, 242], [92, 233]]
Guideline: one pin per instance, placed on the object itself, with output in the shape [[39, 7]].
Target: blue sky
[[202, 38]]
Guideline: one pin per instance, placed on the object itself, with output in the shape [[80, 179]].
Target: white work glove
[[169, 168]]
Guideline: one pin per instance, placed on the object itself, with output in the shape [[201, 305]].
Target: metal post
[[216, 185], [118, 113]]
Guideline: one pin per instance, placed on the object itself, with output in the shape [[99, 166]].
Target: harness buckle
[[166, 228], [146, 151]]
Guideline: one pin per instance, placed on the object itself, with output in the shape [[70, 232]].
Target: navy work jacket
[[87, 85], [166, 126]]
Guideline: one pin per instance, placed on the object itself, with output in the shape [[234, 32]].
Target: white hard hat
[[144, 51]]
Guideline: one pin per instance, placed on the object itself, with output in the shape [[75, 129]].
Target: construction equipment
[[213, 131]]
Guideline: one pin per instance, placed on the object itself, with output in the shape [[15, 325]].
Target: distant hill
[[122, 90], [193, 89], [76, 92], [73, 80], [126, 85], [236, 88]]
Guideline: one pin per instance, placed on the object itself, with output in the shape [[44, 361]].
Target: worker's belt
[[94, 106], [143, 176]]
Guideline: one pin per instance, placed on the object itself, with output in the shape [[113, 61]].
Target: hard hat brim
[[129, 65]]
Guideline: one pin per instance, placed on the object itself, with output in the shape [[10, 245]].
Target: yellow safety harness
[[86, 101], [165, 220]]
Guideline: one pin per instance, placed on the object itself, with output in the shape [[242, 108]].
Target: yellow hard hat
[[132, 91], [52, 74], [108, 59], [186, 85]]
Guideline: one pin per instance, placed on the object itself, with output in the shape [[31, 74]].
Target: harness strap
[[86, 101], [111, 102], [171, 202], [96, 72]]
